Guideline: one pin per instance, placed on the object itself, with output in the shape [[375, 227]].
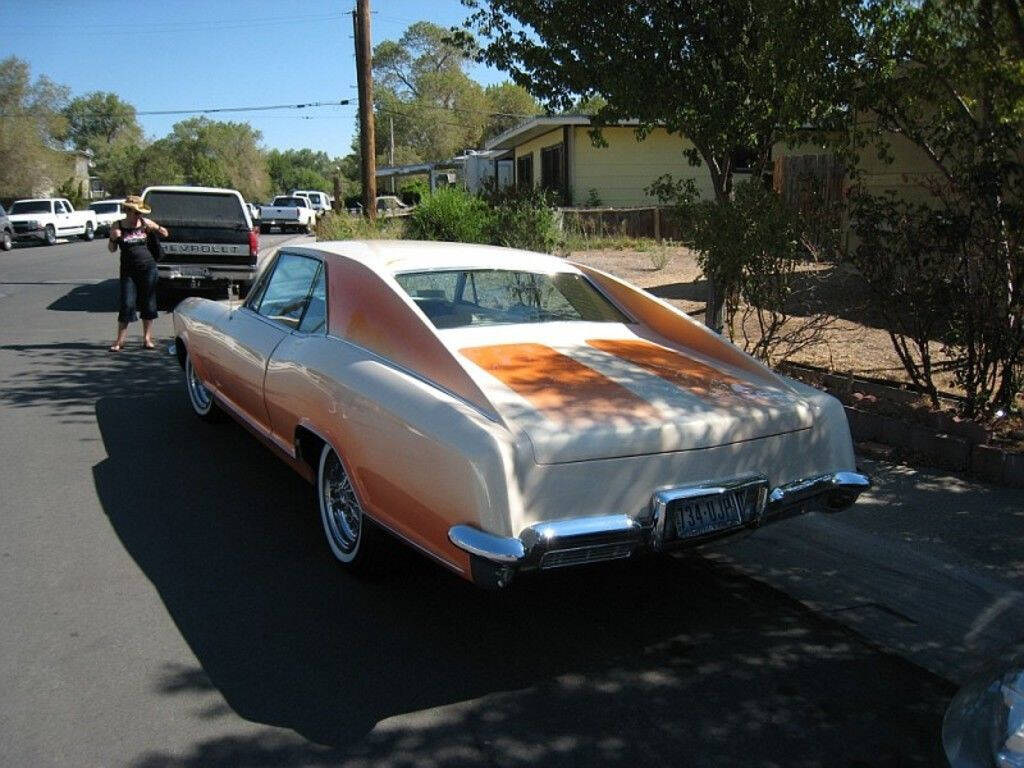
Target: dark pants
[[138, 288]]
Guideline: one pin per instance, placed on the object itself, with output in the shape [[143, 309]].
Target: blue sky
[[191, 54]]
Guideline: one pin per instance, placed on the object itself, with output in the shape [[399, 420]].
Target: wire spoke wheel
[[341, 511], [198, 394]]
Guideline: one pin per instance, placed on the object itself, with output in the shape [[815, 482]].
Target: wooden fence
[[814, 186], [652, 221]]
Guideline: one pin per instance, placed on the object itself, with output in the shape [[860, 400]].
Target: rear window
[[31, 206], [196, 208], [106, 207], [460, 298], [289, 201]]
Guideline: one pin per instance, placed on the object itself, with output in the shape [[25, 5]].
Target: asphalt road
[[168, 600]]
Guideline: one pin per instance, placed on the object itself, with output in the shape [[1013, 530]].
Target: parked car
[[211, 242], [389, 205], [46, 219], [320, 202], [289, 212], [984, 723], [6, 231], [107, 212], [254, 212], [504, 411]]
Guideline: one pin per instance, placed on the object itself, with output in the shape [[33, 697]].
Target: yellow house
[[557, 153]]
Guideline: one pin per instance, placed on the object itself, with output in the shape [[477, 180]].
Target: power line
[[205, 111], [187, 26]]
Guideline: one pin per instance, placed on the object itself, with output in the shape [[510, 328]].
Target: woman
[[138, 270]]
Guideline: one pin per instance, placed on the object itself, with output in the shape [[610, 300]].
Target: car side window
[[58, 207], [315, 319], [288, 290]]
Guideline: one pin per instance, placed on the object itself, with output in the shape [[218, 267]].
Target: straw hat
[[136, 204]]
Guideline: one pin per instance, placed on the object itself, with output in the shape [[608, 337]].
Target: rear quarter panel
[[421, 459]]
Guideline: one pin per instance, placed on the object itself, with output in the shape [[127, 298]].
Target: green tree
[[421, 88], [126, 167], [220, 154], [731, 76], [949, 78], [31, 124], [96, 120], [300, 169], [509, 105]]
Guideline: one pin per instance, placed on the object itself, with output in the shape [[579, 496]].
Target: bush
[[346, 226], [523, 220], [452, 214]]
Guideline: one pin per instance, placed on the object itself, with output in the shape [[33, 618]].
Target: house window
[[524, 172], [551, 168]]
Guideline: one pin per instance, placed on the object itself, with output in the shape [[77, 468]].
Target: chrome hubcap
[[198, 393], [344, 516]]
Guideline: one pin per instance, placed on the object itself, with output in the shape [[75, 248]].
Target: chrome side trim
[[840, 489], [497, 549]]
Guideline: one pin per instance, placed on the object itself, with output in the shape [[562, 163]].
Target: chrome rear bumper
[[575, 541]]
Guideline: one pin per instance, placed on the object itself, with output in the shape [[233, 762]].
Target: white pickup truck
[[319, 200], [48, 218], [288, 212]]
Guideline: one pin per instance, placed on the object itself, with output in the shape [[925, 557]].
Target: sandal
[[151, 345], [115, 347]]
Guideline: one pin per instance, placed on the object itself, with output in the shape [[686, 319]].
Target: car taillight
[[254, 244]]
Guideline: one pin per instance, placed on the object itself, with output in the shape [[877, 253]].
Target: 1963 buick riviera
[[505, 411]]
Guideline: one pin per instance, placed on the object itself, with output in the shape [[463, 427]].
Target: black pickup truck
[[212, 243]]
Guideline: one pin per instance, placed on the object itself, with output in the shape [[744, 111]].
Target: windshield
[[289, 201], [31, 206], [106, 207], [459, 298]]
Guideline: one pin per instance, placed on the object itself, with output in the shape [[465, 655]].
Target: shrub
[[346, 226], [751, 242], [523, 220], [453, 214]]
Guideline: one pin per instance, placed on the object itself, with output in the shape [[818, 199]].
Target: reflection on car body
[[505, 411]]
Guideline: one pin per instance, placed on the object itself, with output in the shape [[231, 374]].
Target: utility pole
[[391, 150], [364, 77]]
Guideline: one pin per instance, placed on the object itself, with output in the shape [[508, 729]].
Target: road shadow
[[664, 662], [67, 378], [97, 297]]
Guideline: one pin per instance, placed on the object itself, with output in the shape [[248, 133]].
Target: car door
[[285, 404], [60, 217], [247, 336]]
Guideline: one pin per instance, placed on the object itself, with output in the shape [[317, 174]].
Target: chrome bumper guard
[[562, 543]]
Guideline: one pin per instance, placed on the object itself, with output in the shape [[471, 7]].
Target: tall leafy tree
[[31, 124], [422, 90], [948, 78], [300, 169], [98, 119], [508, 104], [220, 154], [731, 76]]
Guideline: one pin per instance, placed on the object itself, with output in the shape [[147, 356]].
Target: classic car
[[505, 411]]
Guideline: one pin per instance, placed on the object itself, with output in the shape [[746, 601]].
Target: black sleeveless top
[[134, 251]]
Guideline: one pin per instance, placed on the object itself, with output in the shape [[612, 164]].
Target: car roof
[[391, 257], [197, 190], [110, 200], [36, 199]]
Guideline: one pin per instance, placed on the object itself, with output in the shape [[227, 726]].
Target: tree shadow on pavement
[[672, 661]]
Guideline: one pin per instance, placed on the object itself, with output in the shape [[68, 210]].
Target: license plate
[[194, 272], [705, 514]]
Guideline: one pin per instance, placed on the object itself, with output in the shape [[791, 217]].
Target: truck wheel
[[6, 242], [264, 229], [50, 234], [166, 297], [90, 233]]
